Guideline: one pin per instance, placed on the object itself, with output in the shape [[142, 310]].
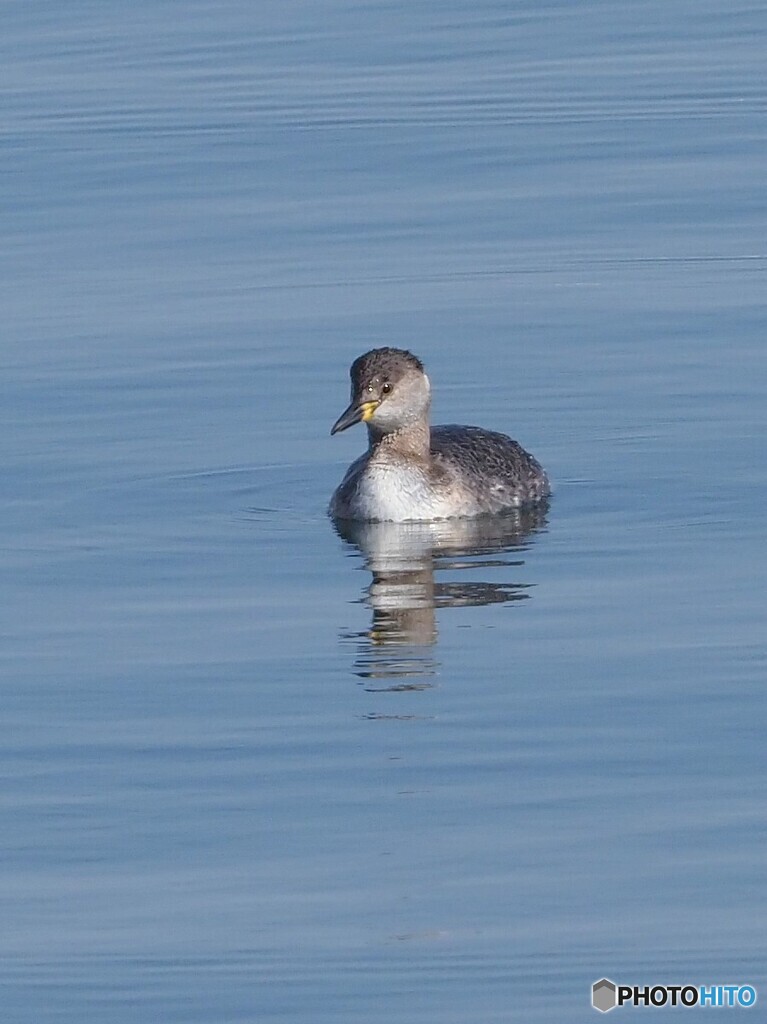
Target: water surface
[[259, 770]]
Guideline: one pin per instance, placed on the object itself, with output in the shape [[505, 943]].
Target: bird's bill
[[356, 411]]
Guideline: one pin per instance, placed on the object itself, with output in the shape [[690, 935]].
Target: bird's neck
[[411, 440]]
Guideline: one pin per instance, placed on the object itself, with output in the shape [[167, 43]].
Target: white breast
[[398, 493]]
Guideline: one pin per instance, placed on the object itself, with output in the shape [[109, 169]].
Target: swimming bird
[[414, 472]]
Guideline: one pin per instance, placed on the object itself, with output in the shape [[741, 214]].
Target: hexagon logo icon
[[603, 995]]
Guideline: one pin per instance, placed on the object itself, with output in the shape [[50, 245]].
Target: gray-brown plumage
[[412, 471]]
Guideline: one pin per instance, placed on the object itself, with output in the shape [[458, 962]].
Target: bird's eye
[[385, 388]]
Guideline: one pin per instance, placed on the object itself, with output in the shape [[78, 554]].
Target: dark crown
[[386, 363]]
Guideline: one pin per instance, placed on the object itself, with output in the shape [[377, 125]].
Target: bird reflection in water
[[408, 562]]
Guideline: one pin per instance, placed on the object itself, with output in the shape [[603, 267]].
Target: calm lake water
[[254, 770]]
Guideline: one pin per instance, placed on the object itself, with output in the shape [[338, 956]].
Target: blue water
[[257, 771]]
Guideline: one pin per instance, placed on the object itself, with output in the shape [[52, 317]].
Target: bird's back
[[497, 469]]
